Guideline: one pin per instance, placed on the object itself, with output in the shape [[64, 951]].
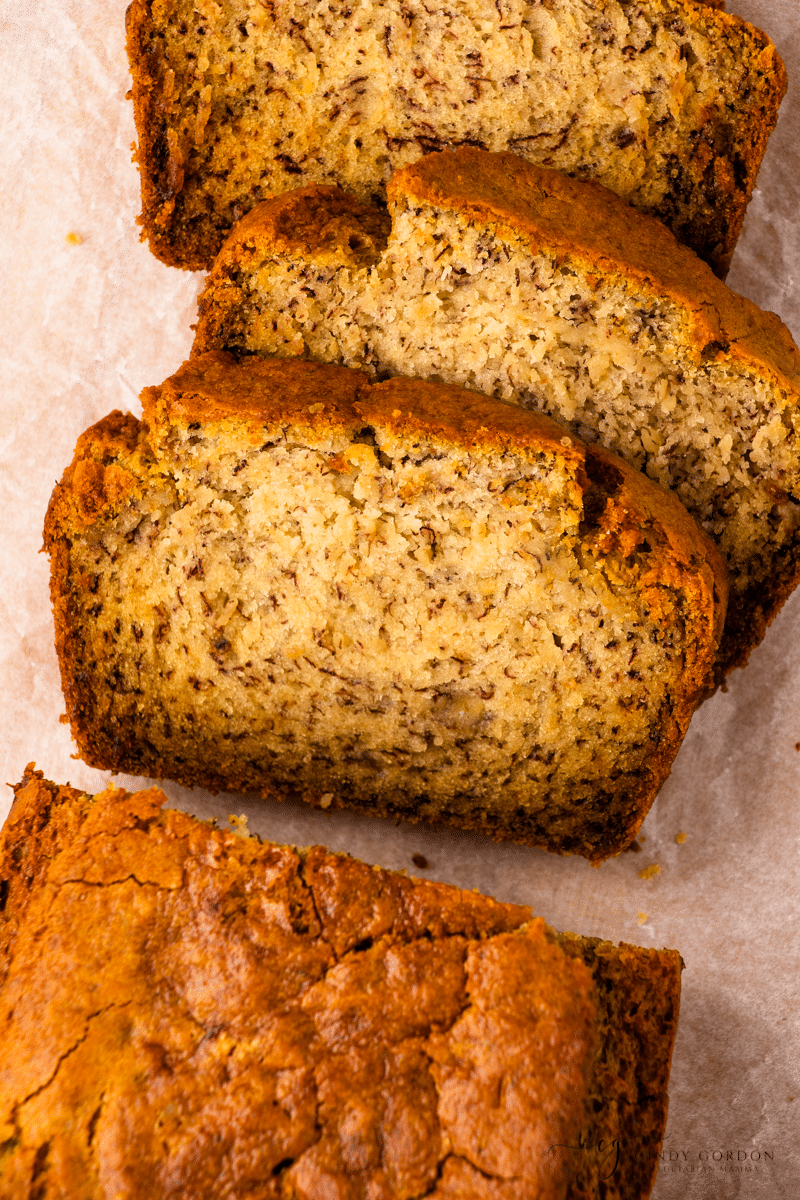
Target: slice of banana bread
[[402, 598], [667, 102], [541, 290], [190, 1013]]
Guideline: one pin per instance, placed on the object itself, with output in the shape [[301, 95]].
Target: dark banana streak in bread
[[189, 1013], [667, 102], [550, 293], [402, 598]]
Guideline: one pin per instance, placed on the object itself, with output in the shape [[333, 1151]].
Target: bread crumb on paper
[[680, 838], [74, 239], [650, 872], [642, 918], [239, 825]]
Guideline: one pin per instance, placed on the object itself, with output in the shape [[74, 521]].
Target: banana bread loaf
[[398, 597], [536, 288], [667, 102], [190, 1013]]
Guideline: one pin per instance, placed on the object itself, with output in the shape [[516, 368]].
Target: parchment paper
[[87, 324]]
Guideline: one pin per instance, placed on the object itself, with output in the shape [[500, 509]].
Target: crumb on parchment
[[239, 825], [680, 838], [649, 872], [74, 239]]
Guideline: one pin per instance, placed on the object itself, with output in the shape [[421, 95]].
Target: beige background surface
[[86, 326]]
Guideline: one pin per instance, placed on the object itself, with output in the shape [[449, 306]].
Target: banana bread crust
[[182, 107], [192, 1012]]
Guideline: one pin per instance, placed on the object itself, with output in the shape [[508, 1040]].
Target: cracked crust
[[425, 741], [194, 1012]]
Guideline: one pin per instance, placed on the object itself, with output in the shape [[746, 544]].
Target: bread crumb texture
[[551, 294], [669, 103], [650, 872], [190, 1013], [399, 597]]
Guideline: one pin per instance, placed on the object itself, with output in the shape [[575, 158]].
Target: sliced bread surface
[[550, 293], [397, 597], [667, 102], [191, 1013]]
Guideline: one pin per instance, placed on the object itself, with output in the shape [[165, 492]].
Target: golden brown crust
[[189, 1012], [354, 902], [30, 839], [93, 488], [321, 221], [323, 225], [149, 121], [95, 483], [586, 220], [213, 389], [629, 1131], [160, 160]]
